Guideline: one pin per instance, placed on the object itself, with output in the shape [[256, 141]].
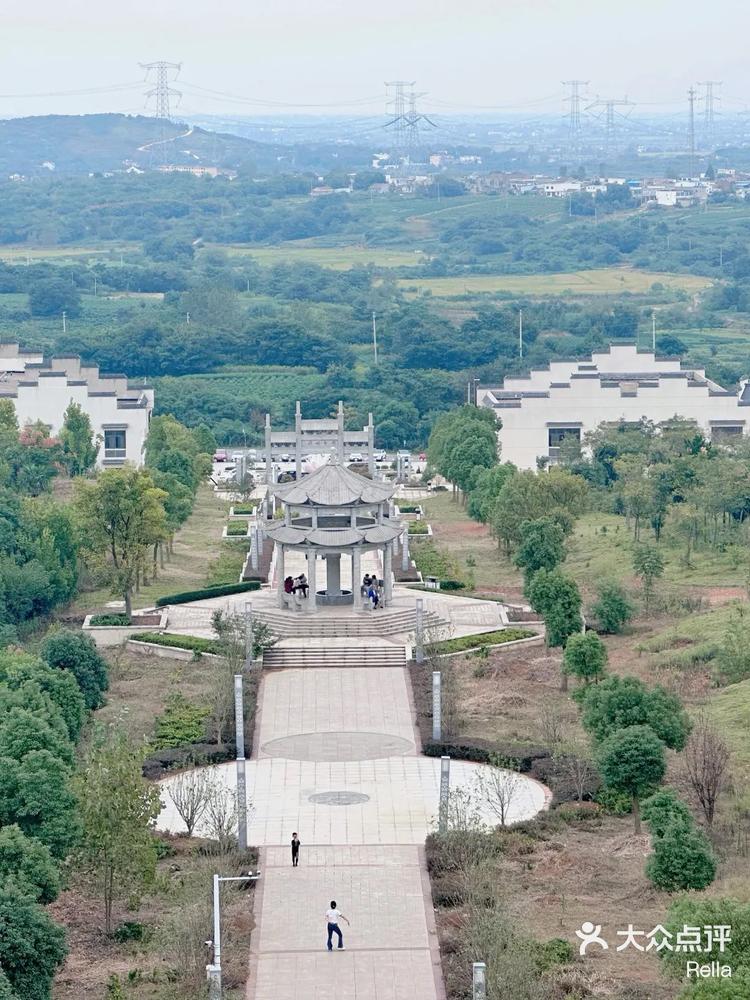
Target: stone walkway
[[336, 760]]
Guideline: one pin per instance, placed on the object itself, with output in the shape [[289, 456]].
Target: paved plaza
[[336, 760]]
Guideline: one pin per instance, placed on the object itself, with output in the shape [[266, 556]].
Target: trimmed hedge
[[451, 584], [237, 528], [418, 528], [497, 638], [201, 595], [410, 508], [481, 751], [196, 643], [158, 764], [111, 620], [243, 508]]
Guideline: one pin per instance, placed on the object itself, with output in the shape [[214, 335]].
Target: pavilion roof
[[333, 485], [346, 537]]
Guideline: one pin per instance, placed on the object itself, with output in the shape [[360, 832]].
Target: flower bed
[[118, 620], [418, 528], [240, 509], [201, 595]]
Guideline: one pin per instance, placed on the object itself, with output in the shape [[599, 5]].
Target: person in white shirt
[[333, 915]]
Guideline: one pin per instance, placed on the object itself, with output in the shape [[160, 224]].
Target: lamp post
[[239, 724], [479, 981], [213, 971]]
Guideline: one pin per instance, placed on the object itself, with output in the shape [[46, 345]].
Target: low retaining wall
[[116, 635], [167, 652]]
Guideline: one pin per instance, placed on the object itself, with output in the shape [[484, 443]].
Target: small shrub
[[614, 803], [181, 723], [452, 585], [131, 931], [662, 809], [576, 812], [682, 859], [556, 951], [612, 609]]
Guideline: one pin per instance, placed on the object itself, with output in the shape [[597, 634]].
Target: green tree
[[122, 516], [32, 945], [77, 440], [682, 859], [16, 669], [648, 564], [557, 598], [618, 702], [22, 731], [701, 911], [585, 657], [53, 297], [632, 761], [542, 547], [117, 808], [27, 865], [612, 608], [77, 653], [35, 793], [664, 808], [487, 485]]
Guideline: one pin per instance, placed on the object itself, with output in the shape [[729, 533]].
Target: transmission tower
[[405, 117], [396, 108], [574, 115], [608, 107], [162, 91], [691, 130], [709, 110]]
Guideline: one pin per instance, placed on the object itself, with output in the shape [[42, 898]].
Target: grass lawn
[[731, 708], [198, 559], [602, 281]]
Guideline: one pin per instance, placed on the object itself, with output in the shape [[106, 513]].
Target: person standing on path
[[333, 915], [295, 850]]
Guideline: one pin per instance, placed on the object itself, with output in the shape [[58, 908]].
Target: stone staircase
[[288, 657], [401, 622]]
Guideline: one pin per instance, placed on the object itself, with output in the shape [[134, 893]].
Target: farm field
[[14, 254], [341, 258], [603, 281]]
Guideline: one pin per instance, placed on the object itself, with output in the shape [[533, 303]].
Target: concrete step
[[367, 623], [286, 658]]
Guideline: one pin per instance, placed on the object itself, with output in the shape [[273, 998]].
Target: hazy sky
[[465, 54]]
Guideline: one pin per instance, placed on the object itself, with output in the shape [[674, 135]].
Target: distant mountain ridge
[[74, 144]]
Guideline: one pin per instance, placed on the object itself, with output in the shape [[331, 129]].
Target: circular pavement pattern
[[339, 798], [338, 746]]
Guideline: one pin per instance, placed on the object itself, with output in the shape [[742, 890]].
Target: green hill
[[66, 144]]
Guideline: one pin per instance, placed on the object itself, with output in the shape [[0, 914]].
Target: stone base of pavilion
[[445, 616]]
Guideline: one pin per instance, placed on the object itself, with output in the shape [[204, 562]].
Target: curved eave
[[333, 537]]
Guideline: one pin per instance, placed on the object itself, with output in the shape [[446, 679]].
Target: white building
[[42, 389], [571, 398]]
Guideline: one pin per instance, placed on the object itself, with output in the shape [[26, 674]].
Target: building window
[[558, 434], [729, 431], [114, 443]]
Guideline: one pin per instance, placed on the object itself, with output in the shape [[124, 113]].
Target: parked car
[[356, 458], [379, 456], [422, 456], [285, 458], [220, 456]]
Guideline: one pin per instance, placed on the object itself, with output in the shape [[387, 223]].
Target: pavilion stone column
[[280, 572], [356, 577], [405, 550], [388, 573], [312, 579], [333, 574]]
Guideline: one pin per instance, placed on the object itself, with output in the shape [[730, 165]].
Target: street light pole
[[213, 971], [239, 724]]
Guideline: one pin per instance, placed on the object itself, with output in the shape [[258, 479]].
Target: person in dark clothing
[[295, 850]]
